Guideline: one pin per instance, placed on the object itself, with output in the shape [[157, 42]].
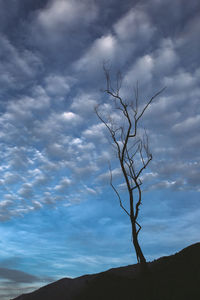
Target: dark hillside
[[169, 278]]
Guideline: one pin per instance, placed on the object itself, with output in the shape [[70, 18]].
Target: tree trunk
[[147, 279], [140, 256]]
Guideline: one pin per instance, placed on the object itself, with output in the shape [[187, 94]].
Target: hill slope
[[169, 278]]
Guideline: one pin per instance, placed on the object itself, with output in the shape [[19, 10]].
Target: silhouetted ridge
[[169, 278]]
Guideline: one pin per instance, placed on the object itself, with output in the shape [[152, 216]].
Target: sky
[[59, 216]]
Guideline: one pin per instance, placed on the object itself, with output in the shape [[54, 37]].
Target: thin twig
[[117, 193]]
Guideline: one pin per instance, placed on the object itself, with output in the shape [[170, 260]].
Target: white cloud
[[103, 48], [61, 119], [23, 110], [58, 28], [141, 71], [41, 179], [105, 177], [5, 203], [149, 176], [54, 129], [18, 158], [11, 178], [63, 185], [69, 137], [69, 116], [66, 13], [57, 151], [119, 44], [57, 85], [181, 81], [189, 126], [90, 190], [187, 37], [87, 170], [95, 132], [149, 67], [36, 204], [184, 175], [84, 104], [16, 65], [166, 57], [48, 198], [163, 184], [26, 191], [135, 25]]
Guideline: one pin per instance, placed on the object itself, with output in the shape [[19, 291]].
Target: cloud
[[37, 204], [61, 24], [55, 126], [69, 116], [55, 151], [18, 120], [105, 177], [11, 178], [41, 179], [89, 190], [14, 282], [180, 82], [18, 158], [26, 191], [48, 198], [184, 175], [190, 125], [5, 209], [166, 58], [187, 41], [5, 203], [135, 26], [96, 132], [63, 185], [128, 34], [17, 276], [57, 85], [84, 104], [59, 14], [103, 48], [142, 70], [148, 68], [18, 68], [167, 184], [86, 170]]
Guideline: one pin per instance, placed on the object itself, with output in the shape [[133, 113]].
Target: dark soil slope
[[168, 278]]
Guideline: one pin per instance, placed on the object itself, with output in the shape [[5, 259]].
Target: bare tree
[[133, 151]]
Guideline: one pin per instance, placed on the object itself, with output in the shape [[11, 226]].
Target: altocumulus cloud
[[17, 276], [13, 282], [54, 151]]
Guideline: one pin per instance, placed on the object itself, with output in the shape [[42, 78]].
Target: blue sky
[[59, 216]]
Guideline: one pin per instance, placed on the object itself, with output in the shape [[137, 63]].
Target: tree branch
[[112, 132], [149, 102], [139, 227], [117, 193]]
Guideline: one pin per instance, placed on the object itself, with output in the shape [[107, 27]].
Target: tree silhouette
[[133, 151]]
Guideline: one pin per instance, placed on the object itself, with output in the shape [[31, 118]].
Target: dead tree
[[133, 151]]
